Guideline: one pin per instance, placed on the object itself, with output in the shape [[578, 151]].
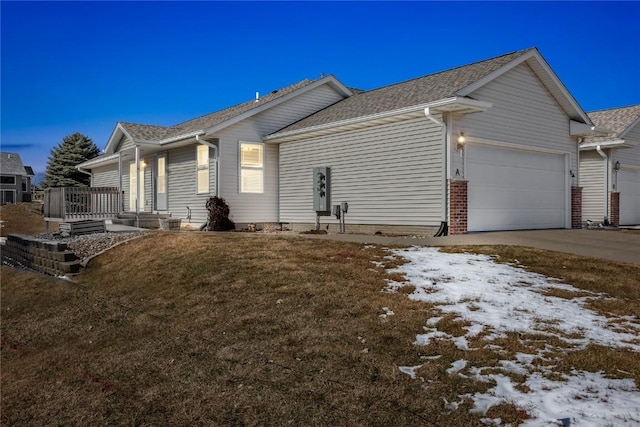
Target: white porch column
[[137, 179]]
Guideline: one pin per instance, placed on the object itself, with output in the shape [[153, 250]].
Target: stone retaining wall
[[45, 256]]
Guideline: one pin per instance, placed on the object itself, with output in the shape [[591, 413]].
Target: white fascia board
[[535, 55], [179, 137], [331, 80], [439, 106], [114, 139], [99, 161], [583, 129], [615, 143]]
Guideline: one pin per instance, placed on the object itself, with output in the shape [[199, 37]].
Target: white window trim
[[15, 195], [206, 167], [240, 167]]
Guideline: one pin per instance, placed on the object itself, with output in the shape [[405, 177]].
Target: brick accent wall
[[576, 207], [45, 256], [615, 208], [458, 207]]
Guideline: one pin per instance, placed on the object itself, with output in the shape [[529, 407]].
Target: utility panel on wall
[[321, 192]]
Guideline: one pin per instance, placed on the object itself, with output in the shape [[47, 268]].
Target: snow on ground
[[498, 298]]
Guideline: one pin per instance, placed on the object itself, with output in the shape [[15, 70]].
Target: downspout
[[86, 173], [443, 231], [606, 181]]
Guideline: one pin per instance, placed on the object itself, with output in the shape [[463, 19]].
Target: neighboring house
[[610, 168], [488, 146], [15, 179]]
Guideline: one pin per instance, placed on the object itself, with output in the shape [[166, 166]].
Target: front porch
[[74, 204]]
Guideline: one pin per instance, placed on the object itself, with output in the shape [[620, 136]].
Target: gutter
[[443, 231], [606, 181]]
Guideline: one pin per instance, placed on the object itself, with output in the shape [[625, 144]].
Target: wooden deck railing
[[78, 203]]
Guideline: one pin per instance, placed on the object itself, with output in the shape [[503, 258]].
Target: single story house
[[610, 168], [15, 179], [491, 145]]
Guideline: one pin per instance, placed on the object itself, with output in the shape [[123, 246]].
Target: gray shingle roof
[[615, 119], [157, 133], [418, 91], [146, 132], [11, 164]]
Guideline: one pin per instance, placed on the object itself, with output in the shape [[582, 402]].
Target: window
[[251, 168], [6, 179], [203, 169]]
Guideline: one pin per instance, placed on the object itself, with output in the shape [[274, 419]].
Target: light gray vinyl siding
[[261, 208], [182, 187], [524, 113], [389, 174], [124, 144], [105, 176], [248, 207], [629, 156], [593, 182]]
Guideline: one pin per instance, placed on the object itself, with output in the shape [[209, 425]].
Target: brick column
[[576, 207], [615, 208], [458, 207]]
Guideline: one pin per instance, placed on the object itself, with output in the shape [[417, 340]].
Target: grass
[[23, 218], [248, 329]]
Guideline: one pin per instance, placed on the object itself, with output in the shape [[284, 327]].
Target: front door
[[161, 182]]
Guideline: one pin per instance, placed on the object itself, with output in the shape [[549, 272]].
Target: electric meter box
[[321, 190]]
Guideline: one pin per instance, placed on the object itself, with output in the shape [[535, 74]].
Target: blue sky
[[82, 66]]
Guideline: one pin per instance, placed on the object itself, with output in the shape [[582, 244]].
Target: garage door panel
[[515, 189], [501, 198], [519, 219], [629, 188]]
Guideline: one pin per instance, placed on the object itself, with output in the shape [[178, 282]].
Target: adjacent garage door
[[515, 189], [629, 187]]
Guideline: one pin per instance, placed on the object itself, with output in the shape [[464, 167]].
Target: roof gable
[[619, 122], [11, 164], [549, 79], [143, 133], [417, 93]]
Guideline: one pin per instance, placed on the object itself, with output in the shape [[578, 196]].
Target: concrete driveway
[[612, 245]]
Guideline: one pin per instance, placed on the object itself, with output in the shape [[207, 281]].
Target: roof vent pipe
[[606, 181]]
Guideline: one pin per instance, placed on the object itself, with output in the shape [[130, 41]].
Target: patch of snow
[[498, 298], [387, 312], [410, 370], [457, 366]]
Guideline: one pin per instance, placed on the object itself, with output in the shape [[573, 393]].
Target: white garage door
[[515, 189], [629, 187]]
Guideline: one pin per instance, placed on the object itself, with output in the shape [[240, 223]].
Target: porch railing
[[79, 203]]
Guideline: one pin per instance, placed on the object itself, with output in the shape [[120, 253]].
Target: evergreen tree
[[63, 159]]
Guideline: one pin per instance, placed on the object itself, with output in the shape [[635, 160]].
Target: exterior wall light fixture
[[460, 141]]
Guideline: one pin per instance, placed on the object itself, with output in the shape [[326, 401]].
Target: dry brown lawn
[[23, 218], [245, 329]]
